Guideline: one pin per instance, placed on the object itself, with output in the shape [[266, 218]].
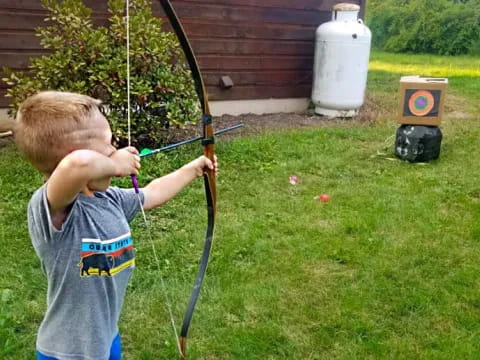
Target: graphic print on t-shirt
[[106, 257]]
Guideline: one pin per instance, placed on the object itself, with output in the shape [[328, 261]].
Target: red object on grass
[[323, 198]]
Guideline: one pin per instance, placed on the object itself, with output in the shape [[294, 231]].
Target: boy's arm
[[83, 167], [160, 190]]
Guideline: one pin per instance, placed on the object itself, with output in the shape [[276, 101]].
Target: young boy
[[79, 225]]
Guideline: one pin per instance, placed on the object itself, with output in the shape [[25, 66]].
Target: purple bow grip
[[135, 184]]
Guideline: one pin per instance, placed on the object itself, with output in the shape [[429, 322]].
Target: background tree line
[[445, 27]]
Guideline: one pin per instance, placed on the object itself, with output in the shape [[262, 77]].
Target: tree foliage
[[445, 27], [93, 61]]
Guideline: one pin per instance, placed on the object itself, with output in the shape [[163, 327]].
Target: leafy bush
[[92, 61], [442, 27]]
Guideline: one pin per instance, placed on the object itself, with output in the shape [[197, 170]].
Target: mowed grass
[[387, 269], [463, 73]]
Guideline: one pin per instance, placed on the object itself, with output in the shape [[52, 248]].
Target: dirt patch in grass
[[454, 108], [258, 124]]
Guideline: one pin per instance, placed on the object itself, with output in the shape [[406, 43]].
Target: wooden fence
[[265, 46]]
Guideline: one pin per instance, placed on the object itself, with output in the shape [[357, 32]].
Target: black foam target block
[[417, 143]]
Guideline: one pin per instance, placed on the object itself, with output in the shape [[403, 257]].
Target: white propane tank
[[342, 54]]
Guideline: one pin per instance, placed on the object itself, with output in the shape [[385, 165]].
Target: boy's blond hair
[[51, 124]]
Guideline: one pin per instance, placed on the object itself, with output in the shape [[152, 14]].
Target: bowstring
[[145, 221]]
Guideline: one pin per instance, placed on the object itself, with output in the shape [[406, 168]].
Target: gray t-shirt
[[88, 264]]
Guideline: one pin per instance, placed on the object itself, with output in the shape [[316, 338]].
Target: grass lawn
[[389, 268]]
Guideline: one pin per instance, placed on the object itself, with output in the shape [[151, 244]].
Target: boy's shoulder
[[106, 205], [118, 195], [39, 202], [38, 196], [125, 199], [113, 193]]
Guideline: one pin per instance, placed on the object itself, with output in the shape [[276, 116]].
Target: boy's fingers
[[208, 163], [133, 150]]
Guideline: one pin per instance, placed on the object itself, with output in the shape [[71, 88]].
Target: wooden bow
[[208, 143]]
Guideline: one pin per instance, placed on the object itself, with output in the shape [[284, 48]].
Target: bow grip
[[135, 184]]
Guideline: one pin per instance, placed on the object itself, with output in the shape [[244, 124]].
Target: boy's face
[[101, 139]]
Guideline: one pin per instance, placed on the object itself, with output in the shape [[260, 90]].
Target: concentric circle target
[[421, 103]]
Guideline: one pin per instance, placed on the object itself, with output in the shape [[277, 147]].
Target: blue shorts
[[115, 351]]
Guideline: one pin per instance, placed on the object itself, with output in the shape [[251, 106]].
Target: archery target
[[421, 100], [422, 103]]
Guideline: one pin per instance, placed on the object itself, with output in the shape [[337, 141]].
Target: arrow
[[148, 152]]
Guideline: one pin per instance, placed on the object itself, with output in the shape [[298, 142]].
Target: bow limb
[[209, 175]]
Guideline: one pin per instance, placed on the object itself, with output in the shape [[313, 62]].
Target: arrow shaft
[[188, 141]]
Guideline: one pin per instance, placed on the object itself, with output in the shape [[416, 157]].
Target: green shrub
[[442, 27], [92, 61]]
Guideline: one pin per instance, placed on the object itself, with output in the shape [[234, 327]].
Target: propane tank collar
[[346, 7]]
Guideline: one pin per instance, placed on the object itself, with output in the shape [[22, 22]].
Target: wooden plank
[[248, 31], [258, 63], [13, 20], [320, 5], [260, 92], [215, 46], [236, 93], [208, 62], [242, 78], [263, 78], [36, 5], [232, 14], [21, 4], [200, 29], [201, 10], [25, 40], [31, 20], [101, 6], [17, 60]]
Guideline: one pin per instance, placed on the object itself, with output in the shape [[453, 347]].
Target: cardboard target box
[[422, 100]]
